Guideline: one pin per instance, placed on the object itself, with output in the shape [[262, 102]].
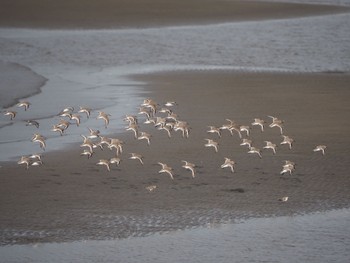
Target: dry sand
[[71, 198]]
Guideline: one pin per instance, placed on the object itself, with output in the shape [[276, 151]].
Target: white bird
[[255, 150], [283, 199], [287, 140], [259, 122], [270, 145], [105, 163], [145, 136], [321, 148], [135, 156], [212, 143], [24, 104], [189, 166], [166, 169], [229, 164]]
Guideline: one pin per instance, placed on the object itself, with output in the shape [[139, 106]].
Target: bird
[[36, 163], [259, 122], [229, 164], [170, 104], [189, 166], [270, 145], [115, 160], [245, 128], [133, 127], [24, 160], [105, 163], [151, 188], [213, 129], [247, 142], [93, 133], [320, 148], [87, 153], [255, 150], [56, 128], [145, 136], [135, 156], [212, 143], [287, 140], [10, 113], [85, 110], [166, 169], [76, 117], [276, 123], [32, 123], [104, 116], [283, 199], [35, 156], [287, 168], [40, 139], [24, 104], [182, 126]]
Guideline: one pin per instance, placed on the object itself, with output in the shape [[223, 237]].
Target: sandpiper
[[247, 142], [183, 127], [213, 129], [135, 156], [115, 160], [85, 110], [133, 127], [255, 150], [212, 143], [270, 145], [229, 164], [104, 116], [166, 169], [76, 117], [87, 153], [288, 168], [63, 124], [170, 104], [56, 128], [259, 122], [24, 160], [245, 128], [32, 123], [283, 199], [93, 133], [151, 188], [40, 139], [287, 140], [10, 113], [276, 123], [236, 128], [145, 136], [165, 128], [321, 148], [189, 166], [24, 104], [105, 163]]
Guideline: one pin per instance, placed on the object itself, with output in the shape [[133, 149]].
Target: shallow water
[[319, 237]]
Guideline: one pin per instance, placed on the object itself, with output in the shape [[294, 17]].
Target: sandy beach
[[69, 198]]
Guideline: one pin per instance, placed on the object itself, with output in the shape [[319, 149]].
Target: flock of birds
[[163, 118]]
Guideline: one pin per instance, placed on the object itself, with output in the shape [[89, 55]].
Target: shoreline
[[116, 204]]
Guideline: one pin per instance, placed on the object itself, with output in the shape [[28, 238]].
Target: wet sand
[[70, 198], [146, 13]]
